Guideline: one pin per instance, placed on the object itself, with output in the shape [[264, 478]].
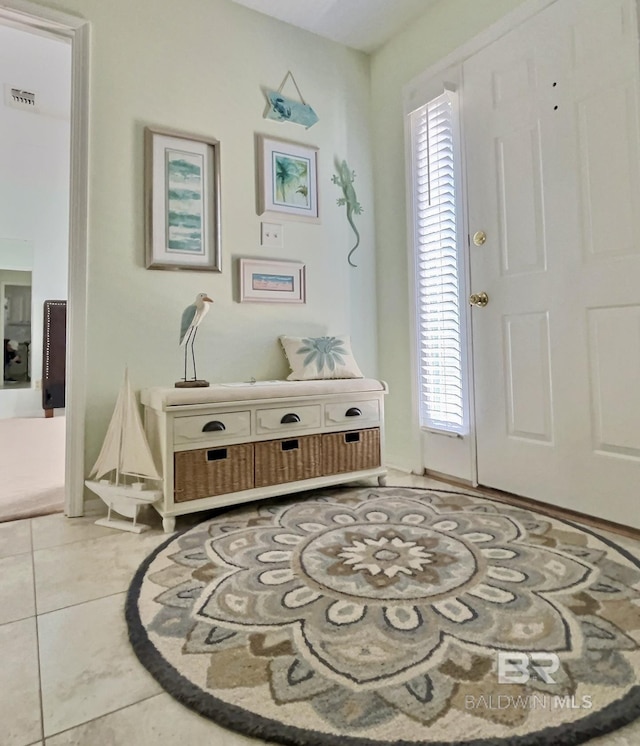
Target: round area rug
[[393, 617]]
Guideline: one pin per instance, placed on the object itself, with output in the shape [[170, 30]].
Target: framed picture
[[287, 178], [265, 281], [182, 201]]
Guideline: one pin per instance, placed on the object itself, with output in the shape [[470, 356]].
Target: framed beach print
[[182, 201], [266, 281], [287, 178]]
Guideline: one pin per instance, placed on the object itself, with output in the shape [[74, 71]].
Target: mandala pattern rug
[[393, 616]]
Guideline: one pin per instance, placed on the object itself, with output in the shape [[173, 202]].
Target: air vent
[[19, 98]]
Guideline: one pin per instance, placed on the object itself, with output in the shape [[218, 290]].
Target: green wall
[[199, 66]]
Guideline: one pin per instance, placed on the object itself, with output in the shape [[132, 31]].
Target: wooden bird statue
[[191, 318]]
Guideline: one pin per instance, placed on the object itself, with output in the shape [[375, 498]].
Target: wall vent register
[[19, 98]]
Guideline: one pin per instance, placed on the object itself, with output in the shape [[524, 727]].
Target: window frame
[[451, 423], [442, 452]]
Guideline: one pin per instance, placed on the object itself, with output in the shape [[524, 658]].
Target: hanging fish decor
[[281, 108], [344, 179]]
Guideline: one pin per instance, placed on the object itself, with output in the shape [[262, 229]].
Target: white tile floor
[[67, 674]]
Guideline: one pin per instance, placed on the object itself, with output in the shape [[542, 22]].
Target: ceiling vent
[[18, 98]]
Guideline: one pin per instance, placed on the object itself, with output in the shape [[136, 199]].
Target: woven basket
[[287, 460], [212, 471], [354, 450]]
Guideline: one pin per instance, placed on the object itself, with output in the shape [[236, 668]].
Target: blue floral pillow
[[312, 358]]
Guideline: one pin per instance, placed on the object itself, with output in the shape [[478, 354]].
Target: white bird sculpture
[[191, 318]]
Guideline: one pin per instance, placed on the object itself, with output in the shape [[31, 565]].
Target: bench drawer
[[211, 427], [352, 413], [353, 450], [288, 460], [293, 417], [207, 472]]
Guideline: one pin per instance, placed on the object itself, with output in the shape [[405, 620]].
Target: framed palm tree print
[[287, 178]]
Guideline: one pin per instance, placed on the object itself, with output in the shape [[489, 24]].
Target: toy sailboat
[[125, 456]]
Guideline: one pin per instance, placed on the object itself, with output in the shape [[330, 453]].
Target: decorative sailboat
[[125, 456]]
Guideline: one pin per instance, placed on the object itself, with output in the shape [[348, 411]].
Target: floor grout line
[[82, 603], [105, 714], [74, 541], [38, 656]]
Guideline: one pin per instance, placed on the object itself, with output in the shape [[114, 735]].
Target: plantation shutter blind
[[437, 271]]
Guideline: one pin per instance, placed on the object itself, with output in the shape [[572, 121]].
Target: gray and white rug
[[371, 617]]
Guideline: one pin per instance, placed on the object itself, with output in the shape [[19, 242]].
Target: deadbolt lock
[[479, 299], [479, 238]]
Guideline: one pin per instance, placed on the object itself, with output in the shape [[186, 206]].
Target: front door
[[553, 166]]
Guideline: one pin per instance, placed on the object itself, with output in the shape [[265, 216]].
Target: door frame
[[452, 455], [30, 16]]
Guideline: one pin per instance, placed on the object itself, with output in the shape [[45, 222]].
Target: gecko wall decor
[[344, 179]]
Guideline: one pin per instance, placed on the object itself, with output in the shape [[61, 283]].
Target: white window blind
[[437, 270]]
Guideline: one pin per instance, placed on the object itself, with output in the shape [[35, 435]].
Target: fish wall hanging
[[281, 108], [344, 179]]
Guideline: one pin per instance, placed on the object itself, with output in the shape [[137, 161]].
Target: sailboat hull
[[123, 498]]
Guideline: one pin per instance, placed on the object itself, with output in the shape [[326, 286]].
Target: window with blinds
[[436, 266]]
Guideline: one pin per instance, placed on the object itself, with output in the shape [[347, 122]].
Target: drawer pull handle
[[289, 445], [217, 454], [352, 438], [353, 412], [213, 426], [290, 418]]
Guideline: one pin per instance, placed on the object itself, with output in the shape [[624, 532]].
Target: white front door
[[553, 166]]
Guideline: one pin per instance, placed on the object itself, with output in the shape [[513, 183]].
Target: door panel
[[520, 219], [608, 158], [614, 346], [552, 150], [528, 377]]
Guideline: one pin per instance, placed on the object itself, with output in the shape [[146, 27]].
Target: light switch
[[271, 235]]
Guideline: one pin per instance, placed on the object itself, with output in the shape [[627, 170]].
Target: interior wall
[[34, 184], [445, 27], [199, 66]]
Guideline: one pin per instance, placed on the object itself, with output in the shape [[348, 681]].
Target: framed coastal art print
[[266, 281], [182, 201], [287, 178]]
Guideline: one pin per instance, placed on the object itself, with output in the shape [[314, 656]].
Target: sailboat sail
[[135, 454], [125, 448]]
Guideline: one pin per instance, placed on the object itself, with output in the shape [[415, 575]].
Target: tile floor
[[67, 674]]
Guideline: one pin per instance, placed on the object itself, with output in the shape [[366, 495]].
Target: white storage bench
[[236, 442]]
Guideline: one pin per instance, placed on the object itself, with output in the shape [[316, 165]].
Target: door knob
[[479, 299], [479, 238]]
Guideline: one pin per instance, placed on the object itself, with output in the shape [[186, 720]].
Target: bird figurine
[[191, 319]]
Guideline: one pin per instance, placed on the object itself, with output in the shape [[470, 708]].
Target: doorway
[[52, 24]]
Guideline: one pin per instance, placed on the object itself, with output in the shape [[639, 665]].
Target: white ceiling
[[361, 24]]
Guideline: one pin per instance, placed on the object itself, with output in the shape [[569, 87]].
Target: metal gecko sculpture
[[344, 179]]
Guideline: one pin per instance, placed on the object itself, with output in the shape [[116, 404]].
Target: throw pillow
[[313, 358]]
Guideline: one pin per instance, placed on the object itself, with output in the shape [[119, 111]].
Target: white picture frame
[[272, 281], [182, 201], [287, 179]]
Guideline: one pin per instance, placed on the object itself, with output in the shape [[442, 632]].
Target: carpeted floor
[[394, 616], [32, 451]]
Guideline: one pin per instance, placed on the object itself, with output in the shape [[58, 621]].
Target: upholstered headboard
[[54, 345]]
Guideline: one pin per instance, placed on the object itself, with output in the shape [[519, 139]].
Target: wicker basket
[[212, 471], [288, 460], [354, 450]]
